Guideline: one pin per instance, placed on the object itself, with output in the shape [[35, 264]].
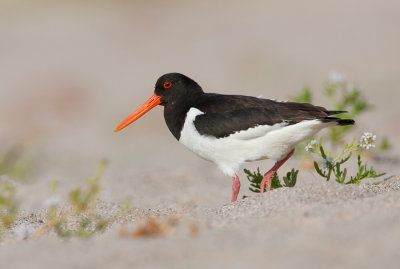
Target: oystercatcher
[[230, 130]]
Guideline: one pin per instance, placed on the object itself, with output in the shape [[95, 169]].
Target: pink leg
[[235, 188], [267, 179]]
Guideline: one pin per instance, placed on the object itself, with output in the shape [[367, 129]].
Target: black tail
[[333, 112], [345, 122], [339, 121]]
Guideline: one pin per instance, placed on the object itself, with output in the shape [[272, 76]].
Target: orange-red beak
[[149, 104]]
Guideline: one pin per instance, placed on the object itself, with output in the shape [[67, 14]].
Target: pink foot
[[235, 188], [267, 179]]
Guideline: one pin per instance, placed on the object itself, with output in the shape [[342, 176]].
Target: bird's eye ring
[[167, 84]]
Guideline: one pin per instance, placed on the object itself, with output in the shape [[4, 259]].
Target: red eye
[[167, 84]]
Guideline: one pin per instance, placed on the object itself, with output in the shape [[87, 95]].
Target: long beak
[[149, 104]]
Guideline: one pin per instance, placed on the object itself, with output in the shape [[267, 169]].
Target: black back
[[227, 114]]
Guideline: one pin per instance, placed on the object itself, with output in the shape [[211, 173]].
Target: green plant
[[332, 167], [363, 172], [305, 96], [82, 211], [342, 96], [384, 145], [255, 179], [8, 207], [15, 164]]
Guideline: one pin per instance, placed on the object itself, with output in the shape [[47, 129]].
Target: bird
[[230, 130]]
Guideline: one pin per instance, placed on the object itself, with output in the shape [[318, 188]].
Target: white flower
[[312, 146], [367, 139], [326, 161], [24, 231], [336, 77], [52, 201]]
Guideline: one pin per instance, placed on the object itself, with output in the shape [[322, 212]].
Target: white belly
[[261, 142]]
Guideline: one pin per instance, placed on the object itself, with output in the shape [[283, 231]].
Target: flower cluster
[[312, 146], [367, 140]]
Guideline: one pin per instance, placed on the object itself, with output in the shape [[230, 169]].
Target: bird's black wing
[[228, 114]]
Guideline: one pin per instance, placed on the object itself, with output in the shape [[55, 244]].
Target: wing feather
[[225, 115]]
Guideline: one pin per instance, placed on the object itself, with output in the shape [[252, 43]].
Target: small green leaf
[[319, 171], [322, 151]]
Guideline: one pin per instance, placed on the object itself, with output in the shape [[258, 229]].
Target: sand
[[72, 71], [315, 224]]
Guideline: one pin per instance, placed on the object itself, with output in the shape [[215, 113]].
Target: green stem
[[345, 151]]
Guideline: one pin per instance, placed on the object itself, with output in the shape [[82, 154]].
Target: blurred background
[[70, 71]]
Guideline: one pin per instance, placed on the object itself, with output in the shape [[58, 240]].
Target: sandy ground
[[71, 71], [315, 224]]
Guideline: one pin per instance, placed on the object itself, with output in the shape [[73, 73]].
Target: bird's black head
[[175, 88], [175, 91]]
